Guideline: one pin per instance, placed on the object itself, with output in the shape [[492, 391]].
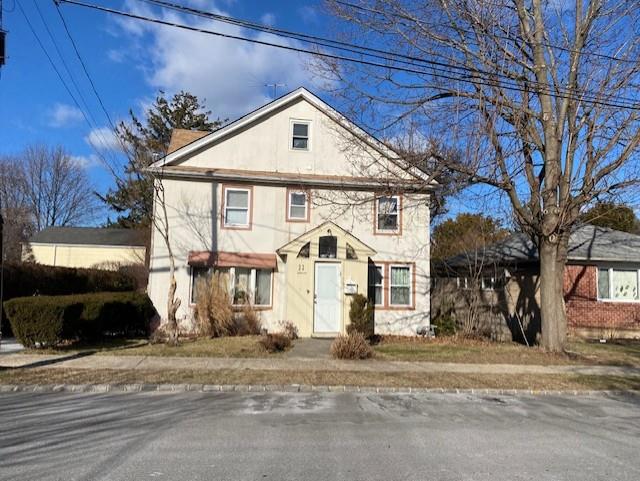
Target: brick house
[[497, 290]]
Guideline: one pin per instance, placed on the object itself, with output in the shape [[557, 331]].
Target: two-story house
[[302, 209]]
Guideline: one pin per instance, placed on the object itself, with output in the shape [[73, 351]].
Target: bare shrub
[[353, 346], [248, 321], [214, 307], [289, 329], [275, 342]]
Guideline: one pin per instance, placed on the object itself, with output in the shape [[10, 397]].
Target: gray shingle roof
[[90, 236], [587, 243]]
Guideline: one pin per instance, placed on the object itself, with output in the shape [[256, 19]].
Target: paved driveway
[[314, 436]]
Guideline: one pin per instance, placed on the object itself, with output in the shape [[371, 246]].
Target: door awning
[[232, 259]]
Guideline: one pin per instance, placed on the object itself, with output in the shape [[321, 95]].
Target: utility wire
[[68, 70], [374, 52], [62, 80], [502, 37], [471, 80], [84, 67]]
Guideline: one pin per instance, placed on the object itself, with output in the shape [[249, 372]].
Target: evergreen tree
[[146, 141]]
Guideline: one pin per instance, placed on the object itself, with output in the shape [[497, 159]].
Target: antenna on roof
[[275, 88]]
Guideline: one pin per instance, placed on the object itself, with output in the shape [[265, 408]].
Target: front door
[[327, 298]]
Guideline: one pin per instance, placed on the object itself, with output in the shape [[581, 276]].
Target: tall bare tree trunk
[[553, 317]]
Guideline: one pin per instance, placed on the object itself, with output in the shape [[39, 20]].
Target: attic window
[[304, 250], [299, 135], [351, 252], [328, 247]]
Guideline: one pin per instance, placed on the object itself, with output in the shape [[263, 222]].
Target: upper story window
[[297, 206], [618, 284], [387, 214], [300, 135], [237, 207]]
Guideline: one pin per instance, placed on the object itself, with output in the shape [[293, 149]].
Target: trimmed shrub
[[361, 316], [275, 342], [50, 320], [28, 279], [353, 346], [444, 321]]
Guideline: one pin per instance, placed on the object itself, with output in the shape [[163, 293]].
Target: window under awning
[[232, 259]]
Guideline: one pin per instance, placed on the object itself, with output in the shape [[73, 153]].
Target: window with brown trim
[[297, 205], [236, 212], [387, 214]]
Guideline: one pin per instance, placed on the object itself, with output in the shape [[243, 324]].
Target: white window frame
[[397, 214], [610, 273], [291, 136], [225, 193], [391, 286], [232, 283], [290, 204]]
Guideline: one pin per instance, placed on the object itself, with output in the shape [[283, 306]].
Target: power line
[[62, 80], [84, 66], [378, 53], [502, 37], [471, 80], [98, 133]]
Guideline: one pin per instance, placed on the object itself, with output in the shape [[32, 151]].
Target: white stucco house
[[302, 209]]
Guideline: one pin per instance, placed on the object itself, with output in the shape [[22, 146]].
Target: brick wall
[[585, 311]]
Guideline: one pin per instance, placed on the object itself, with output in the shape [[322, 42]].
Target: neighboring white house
[[86, 247], [302, 209]]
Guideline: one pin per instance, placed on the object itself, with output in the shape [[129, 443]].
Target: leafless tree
[[160, 220], [539, 96], [14, 209], [56, 188]]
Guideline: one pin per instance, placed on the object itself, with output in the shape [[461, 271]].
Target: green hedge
[[28, 279], [49, 320]]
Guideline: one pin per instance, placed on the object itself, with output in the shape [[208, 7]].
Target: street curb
[[289, 388]]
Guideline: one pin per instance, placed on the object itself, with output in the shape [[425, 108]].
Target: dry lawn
[[233, 346], [332, 378], [484, 352]]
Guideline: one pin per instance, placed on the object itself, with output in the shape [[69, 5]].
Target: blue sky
[[129, 61]]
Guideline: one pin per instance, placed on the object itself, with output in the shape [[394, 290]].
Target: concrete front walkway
[[296, 364]]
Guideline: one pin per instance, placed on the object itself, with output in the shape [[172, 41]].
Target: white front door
[[327, 298]]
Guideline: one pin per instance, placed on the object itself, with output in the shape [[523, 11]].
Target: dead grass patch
[[478, 351], [332, 378]]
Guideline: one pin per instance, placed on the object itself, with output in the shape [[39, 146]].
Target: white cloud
[[64, 115], [116, 56], [268, 19], [103, 139], [86, 161], [229, 74]]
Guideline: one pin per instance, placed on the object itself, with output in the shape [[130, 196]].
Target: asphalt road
[[316, 436]]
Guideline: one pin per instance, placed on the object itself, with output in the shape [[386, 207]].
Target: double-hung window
[[388, 214], [299, 135], [618, 284], [237, 207], [297, 206], [400, 281]]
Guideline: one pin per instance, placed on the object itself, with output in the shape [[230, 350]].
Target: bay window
[[245, 284]]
